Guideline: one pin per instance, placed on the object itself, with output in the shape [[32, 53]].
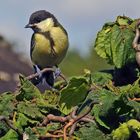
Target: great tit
[[49, 42]]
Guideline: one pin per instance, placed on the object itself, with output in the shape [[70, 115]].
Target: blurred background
[[82, 20]]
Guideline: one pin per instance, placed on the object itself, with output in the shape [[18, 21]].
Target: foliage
[[90, 106], [114, 41]]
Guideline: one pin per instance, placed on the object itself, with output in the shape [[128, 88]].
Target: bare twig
[[136, 44], [52, 117], [70, 120], [73, 127], [32, 76], [135, 99], [50, 136]]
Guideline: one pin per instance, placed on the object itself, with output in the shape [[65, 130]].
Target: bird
[[49, 44]]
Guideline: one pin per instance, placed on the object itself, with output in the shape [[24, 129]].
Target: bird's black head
[[39, 16]]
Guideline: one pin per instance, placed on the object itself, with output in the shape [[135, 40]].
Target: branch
[[32, 76], [135, 43], [135, 99], [75, 120], [52, 117], [50, 136], [70, 120]]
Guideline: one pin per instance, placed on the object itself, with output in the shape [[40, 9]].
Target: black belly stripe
[[32, 45], [48, 36]]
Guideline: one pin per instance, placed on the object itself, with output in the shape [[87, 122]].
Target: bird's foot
[[38, 71], [39, 78]]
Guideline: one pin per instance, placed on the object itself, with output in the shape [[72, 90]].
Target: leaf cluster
[[115, 117]]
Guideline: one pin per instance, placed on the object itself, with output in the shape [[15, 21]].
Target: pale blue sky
[[81, 18]]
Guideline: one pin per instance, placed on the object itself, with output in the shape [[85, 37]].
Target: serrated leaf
[[6, 104], [90, 132], [27, 91], [3, 129], [123, 20], [51, 98], [134, 125], [101, 78], [135, 107], [106, 114], [23, 121], [124, 131], [121, 133], [31, 134], [30, 110], [73, 94], [102, 43], [122, 52], [114, 43], [10, 135]]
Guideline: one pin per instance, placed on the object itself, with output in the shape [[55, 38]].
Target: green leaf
[[135, 108], [121, 133], [10, 135], [114, 43], [90, 132], [102, 43], [30, 110], [113, 106], [101, 78], [123, 20], [51, 98], [27, 91], [7, 104], [73, 94], [31, 134], [124, 131], [3, 129], [134, 125], [23, 121]]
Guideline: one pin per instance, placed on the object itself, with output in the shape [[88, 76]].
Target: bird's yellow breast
[[42, 53]]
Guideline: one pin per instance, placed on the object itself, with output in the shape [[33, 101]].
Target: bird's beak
[[29, 25]]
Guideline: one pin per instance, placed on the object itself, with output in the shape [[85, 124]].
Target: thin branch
[[78, 118], [70, 120], [73, 127], [32, 76], [135, 99], [52, 117], [50, 136], [135, 43]]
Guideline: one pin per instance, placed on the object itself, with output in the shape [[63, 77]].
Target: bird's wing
[[32, 45]]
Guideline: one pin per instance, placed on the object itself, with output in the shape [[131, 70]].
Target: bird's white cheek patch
[[46, 25]]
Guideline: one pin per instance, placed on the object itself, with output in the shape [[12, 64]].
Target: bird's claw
[[57, 73], [38, 71]]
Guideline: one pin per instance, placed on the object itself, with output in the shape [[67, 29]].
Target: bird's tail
[[49, 76]]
